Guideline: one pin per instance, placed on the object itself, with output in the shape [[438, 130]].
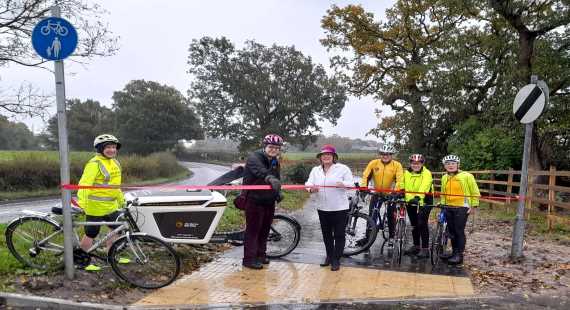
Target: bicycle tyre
[[29, 252], [362, 224], [141, 271], [436, 248], [284, 236], [385, 226], [400, 234]]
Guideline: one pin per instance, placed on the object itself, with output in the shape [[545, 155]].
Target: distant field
[[342, 156]]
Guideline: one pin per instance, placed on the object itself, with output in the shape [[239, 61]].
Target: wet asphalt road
[[202, 174]]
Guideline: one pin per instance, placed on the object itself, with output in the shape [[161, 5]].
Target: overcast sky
[[154, 40]]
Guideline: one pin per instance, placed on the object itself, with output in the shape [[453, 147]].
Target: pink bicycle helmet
[[273, 139]]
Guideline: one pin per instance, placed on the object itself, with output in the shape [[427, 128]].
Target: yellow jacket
[[417, 183], [468, 187], [383, 174], [101, 170]]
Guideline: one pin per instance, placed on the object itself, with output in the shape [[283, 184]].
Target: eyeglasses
[[274, 147], [385, 154]]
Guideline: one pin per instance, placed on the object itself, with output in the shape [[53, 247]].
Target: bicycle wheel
[[435, 248], [360, 234], [36, 242], [150, 262], [284, 236], [400, 233]]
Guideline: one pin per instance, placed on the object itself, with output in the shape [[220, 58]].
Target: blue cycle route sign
[[54, 38]]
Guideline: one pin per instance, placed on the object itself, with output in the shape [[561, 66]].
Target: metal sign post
[[529, 104], [54, 38]]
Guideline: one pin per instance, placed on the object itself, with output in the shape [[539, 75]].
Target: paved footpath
[[298, 278]]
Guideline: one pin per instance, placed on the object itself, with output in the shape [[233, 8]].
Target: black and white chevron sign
[[529, 103]]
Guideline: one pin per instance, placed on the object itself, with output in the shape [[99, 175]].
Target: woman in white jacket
[[332, 202]]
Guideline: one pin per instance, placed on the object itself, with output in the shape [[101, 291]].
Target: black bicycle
[[284, 232], [440, 239], [360, 229]]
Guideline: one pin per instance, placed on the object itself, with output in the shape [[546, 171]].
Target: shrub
[[297, 173], [28, 171]]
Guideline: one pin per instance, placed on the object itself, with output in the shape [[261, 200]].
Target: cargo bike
[[151, 221]]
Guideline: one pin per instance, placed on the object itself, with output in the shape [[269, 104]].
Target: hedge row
[[24, 171]]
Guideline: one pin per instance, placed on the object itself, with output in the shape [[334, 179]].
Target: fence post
[[551, 194], [529, 194], [491, 189], [510, 187]]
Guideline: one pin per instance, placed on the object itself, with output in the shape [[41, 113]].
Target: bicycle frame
[[122, 227]]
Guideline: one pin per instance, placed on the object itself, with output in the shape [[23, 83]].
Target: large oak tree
[[243, 94]]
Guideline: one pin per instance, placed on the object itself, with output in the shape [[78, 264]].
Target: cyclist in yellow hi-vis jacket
[[417, 181], [460, 193], [101, 204], [384, 172]]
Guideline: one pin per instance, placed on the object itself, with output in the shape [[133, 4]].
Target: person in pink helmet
[[332, 202], [261, 168]]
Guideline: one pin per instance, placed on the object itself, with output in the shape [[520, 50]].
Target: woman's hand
[[313, 189]]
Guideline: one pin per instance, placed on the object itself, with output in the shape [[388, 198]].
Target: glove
[[397, 195], [279, 197], [415, 201], [274, 182]]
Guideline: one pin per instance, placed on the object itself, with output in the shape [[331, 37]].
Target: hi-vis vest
[[468, 187], [416, 183], [100, 170]]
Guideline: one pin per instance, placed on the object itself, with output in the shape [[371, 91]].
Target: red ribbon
[[267, 187]]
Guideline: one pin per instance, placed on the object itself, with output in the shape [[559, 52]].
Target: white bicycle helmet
[[106, 138], [386, 148], [451, 159]]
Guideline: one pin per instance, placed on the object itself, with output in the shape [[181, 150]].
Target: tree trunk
[[417, 130], [526, 50]]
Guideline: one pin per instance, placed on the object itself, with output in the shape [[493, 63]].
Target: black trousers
[[456, 221], [333, 225], [419, 220], [390, 213], [258, 219]]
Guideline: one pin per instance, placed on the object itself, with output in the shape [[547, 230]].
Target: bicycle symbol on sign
[[56, 27]]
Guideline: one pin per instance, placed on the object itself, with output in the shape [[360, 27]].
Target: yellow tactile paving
[[224, 281]]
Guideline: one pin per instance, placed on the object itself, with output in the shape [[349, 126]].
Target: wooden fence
[[505, 184]]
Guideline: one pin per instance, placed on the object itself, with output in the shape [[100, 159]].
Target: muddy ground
[[545, 268]]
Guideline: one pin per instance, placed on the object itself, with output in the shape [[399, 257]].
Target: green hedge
[[25, 171]]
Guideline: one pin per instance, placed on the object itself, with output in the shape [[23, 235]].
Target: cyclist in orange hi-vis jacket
[[459, 191], [387, 174]]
